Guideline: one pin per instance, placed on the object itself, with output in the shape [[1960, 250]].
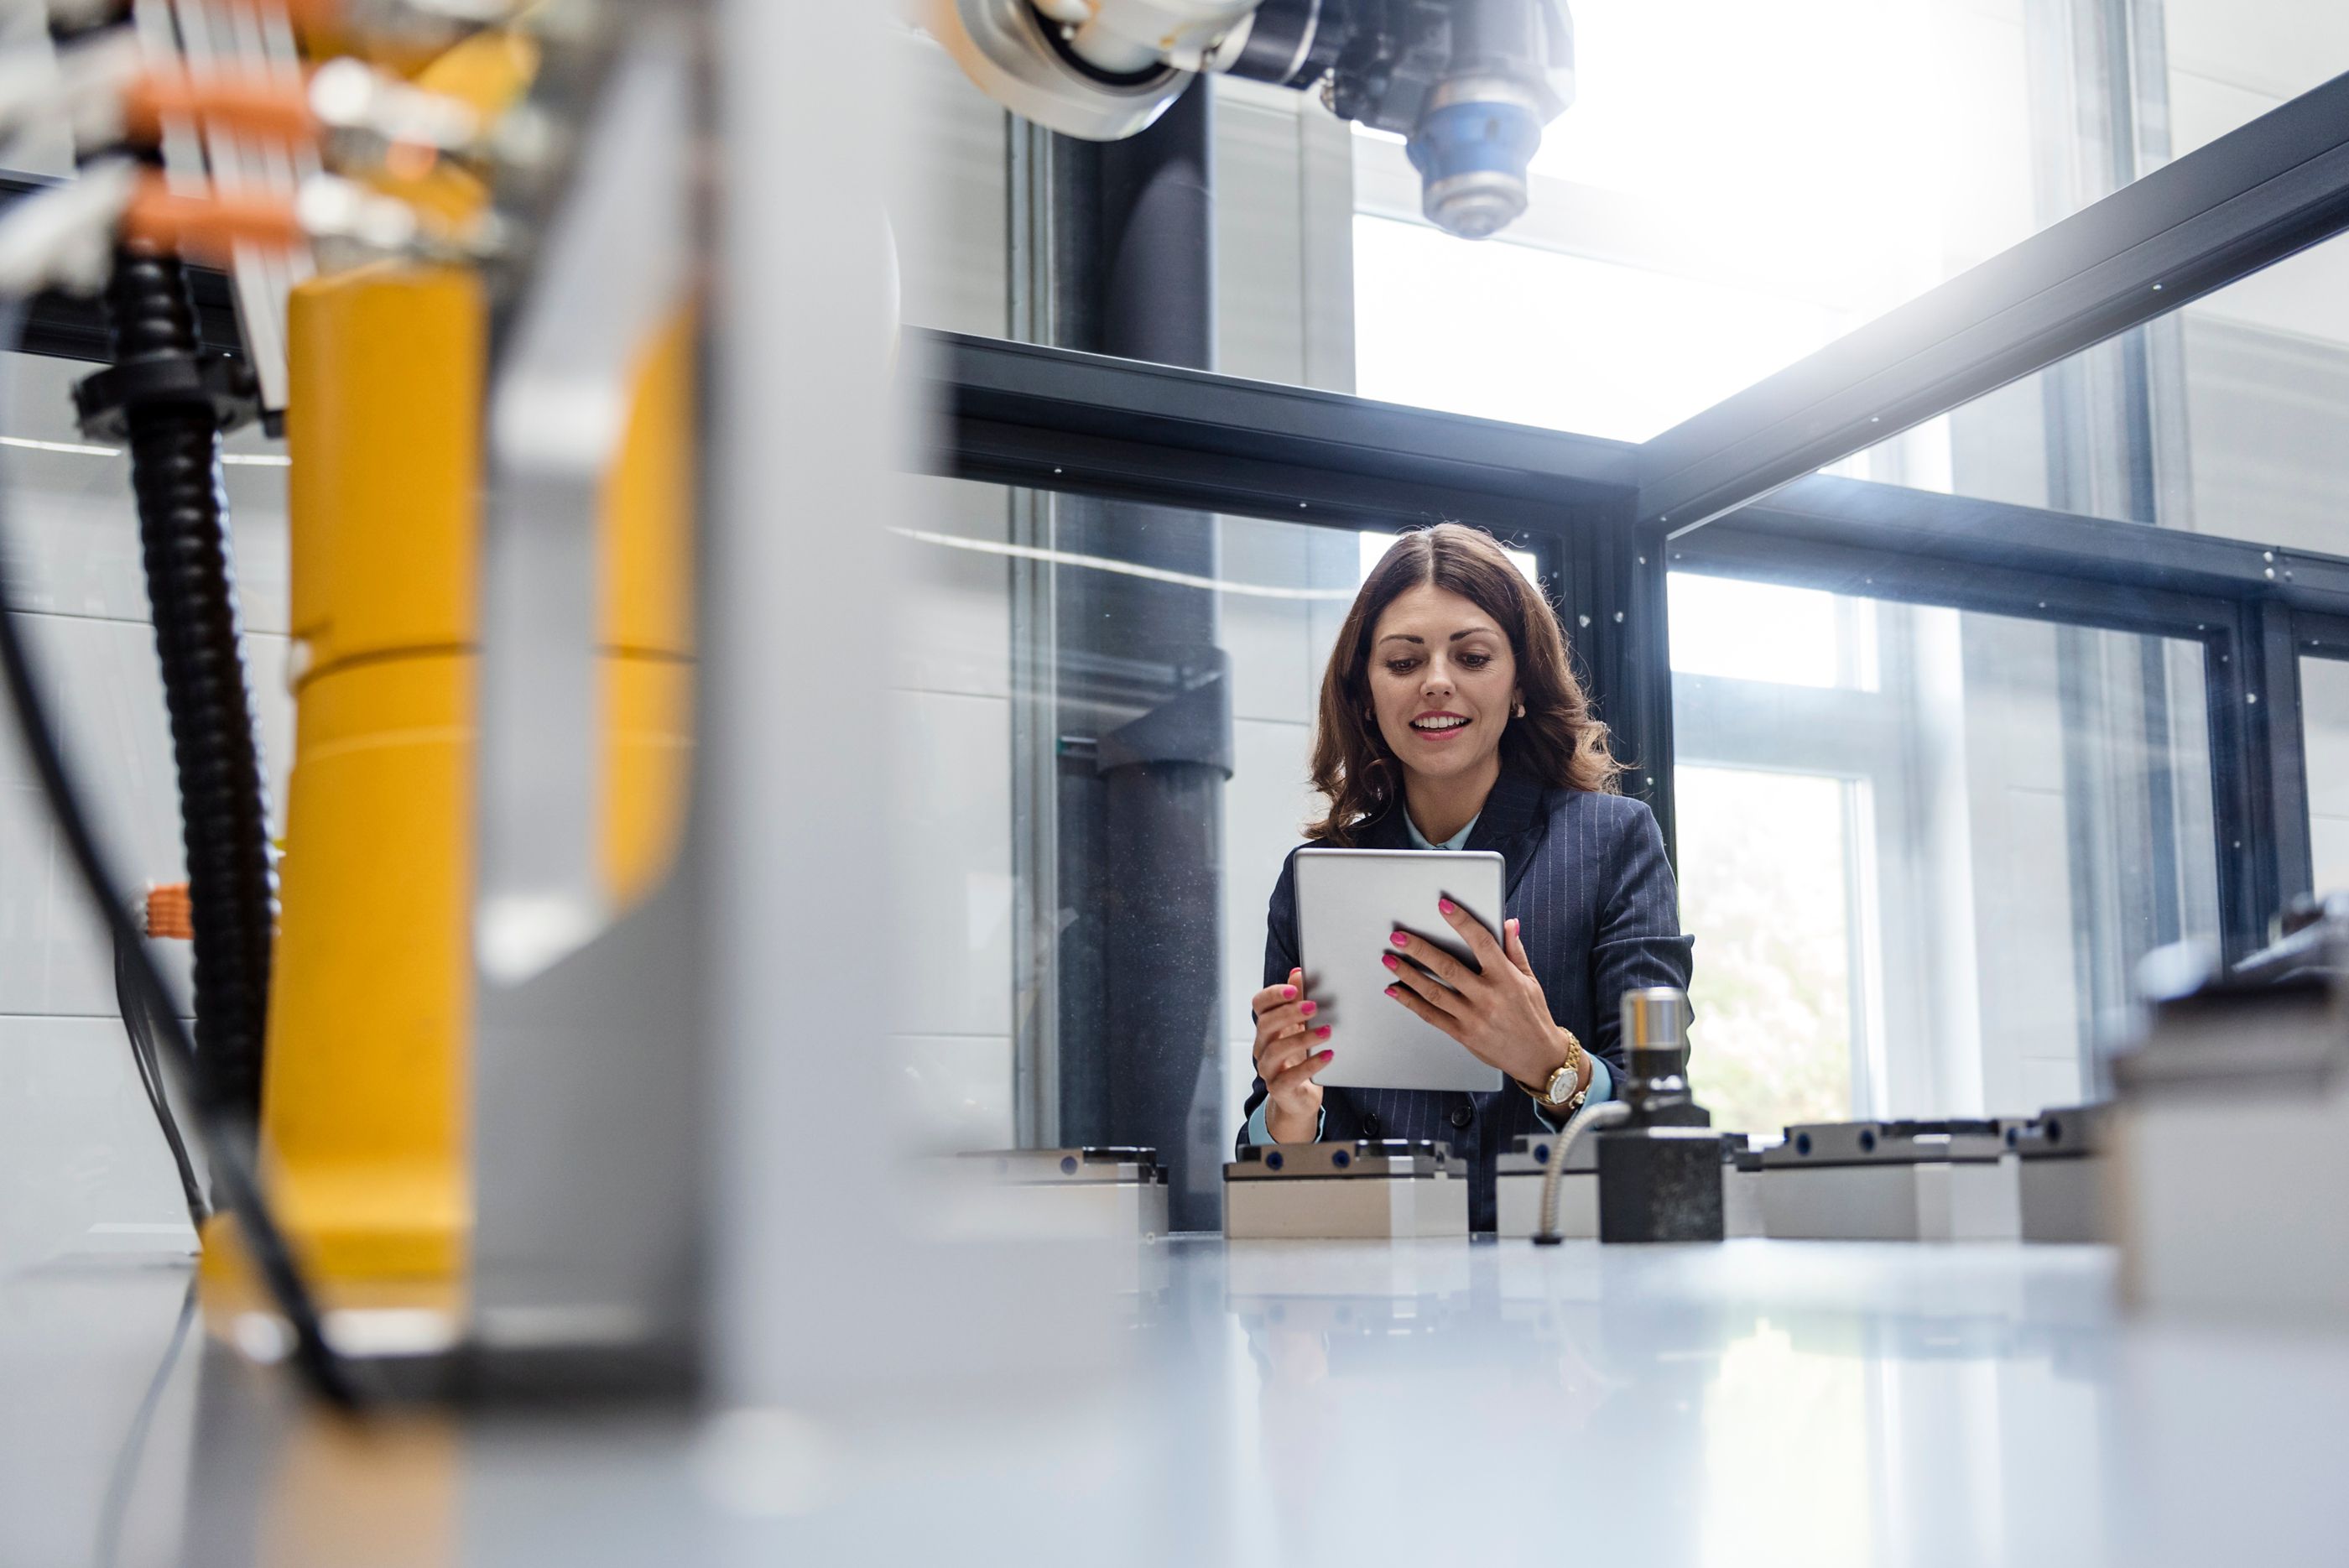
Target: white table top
[[1280, 1402]]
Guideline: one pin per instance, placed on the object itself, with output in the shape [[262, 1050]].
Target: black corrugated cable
[[168, 400], [170, 421], [226, 1137]]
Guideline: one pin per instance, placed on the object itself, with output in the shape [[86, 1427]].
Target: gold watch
[[1564, 1094]]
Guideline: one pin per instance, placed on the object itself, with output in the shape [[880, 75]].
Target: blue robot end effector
[[1468, 84], [1511, 72]]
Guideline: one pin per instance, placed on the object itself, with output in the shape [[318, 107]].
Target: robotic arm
[[1469, 83]]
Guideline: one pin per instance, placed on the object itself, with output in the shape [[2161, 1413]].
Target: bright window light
[[1753, 132], [1772, 1042], [1535, 336], [1763, 631]]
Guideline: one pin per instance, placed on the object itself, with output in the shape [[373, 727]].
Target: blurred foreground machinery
[[2227, 1147], [1468, 83], [492, 488], [461, 248]]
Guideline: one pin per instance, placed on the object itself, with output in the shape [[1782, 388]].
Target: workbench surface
[[1759, 1402]]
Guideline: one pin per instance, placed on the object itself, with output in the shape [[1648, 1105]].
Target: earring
[[1520, 713]]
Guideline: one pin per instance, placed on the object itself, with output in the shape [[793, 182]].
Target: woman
[[1452, 719]]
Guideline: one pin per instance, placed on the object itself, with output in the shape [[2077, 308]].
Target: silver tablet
[[1349, 903]]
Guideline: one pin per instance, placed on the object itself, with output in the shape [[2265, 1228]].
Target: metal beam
[[2252, 197], [1853, 535], [1016, 413]]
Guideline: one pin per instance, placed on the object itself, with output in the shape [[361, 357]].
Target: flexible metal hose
[[1591, 1118], [192, 588]]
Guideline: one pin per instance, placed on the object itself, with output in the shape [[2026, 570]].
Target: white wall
[[949, 1024], [82, 1164]]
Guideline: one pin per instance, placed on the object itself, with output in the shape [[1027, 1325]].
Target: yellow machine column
[[364, 1091], [366, 1084]]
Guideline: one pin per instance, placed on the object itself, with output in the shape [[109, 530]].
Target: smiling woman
[[1451, 718]]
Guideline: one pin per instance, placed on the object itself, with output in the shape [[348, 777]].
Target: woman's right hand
[[1288, 1052]]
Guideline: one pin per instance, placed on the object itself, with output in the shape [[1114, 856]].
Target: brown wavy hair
[[1558, 741]]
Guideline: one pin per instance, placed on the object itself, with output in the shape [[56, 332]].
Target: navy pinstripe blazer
[[1598, 914]]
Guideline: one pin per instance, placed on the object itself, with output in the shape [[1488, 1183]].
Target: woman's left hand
[[1500, 1015]]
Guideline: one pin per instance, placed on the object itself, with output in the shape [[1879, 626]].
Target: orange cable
[[250, 105], [210, 225], [168, 913]]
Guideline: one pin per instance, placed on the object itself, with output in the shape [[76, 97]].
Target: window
[[2324, 721], [1926, 894], [1108, 712], [2228, 417], [1537, 337], [1774, 982]]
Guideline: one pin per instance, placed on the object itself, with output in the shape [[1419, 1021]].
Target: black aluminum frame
[[1021, 415], [1607, 519]]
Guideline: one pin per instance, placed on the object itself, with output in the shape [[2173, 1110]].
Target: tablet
[[1349, 903]]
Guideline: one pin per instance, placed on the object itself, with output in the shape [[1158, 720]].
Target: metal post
[[1145, 703], [1609, 585]]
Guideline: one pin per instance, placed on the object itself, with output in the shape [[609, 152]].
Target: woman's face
[[1443, 682]]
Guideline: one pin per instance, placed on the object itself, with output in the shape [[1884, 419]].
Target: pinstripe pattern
[[1598, 913]]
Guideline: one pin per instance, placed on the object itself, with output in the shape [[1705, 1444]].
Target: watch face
[[1562, 1083]]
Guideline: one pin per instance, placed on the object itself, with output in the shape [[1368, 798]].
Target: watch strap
[[1572, 1071]]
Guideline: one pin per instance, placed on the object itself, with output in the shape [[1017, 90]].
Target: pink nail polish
[[1326, 1055], [1309, 1009], [1400, 940], [1288, 994], [1394, 991], [1322, 1033], [1391, 962], [1447, 906]]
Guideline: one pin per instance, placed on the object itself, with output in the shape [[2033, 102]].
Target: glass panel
[[1928, 896], [1059, 661], [2231, 61], [1690, 235], [1766, 632], [2324, 729], [1773, 913], [1537, 337], [2228, 417], [1284, 212]]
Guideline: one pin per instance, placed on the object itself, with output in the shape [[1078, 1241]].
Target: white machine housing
[[1891, 1181], [1368, 1190], [1741, 1195], [1518, 1184], [2061, 1175], [2230, 1155], [1142, 54]]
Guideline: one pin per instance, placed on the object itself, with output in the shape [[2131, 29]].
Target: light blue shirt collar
[[1419, 839]]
